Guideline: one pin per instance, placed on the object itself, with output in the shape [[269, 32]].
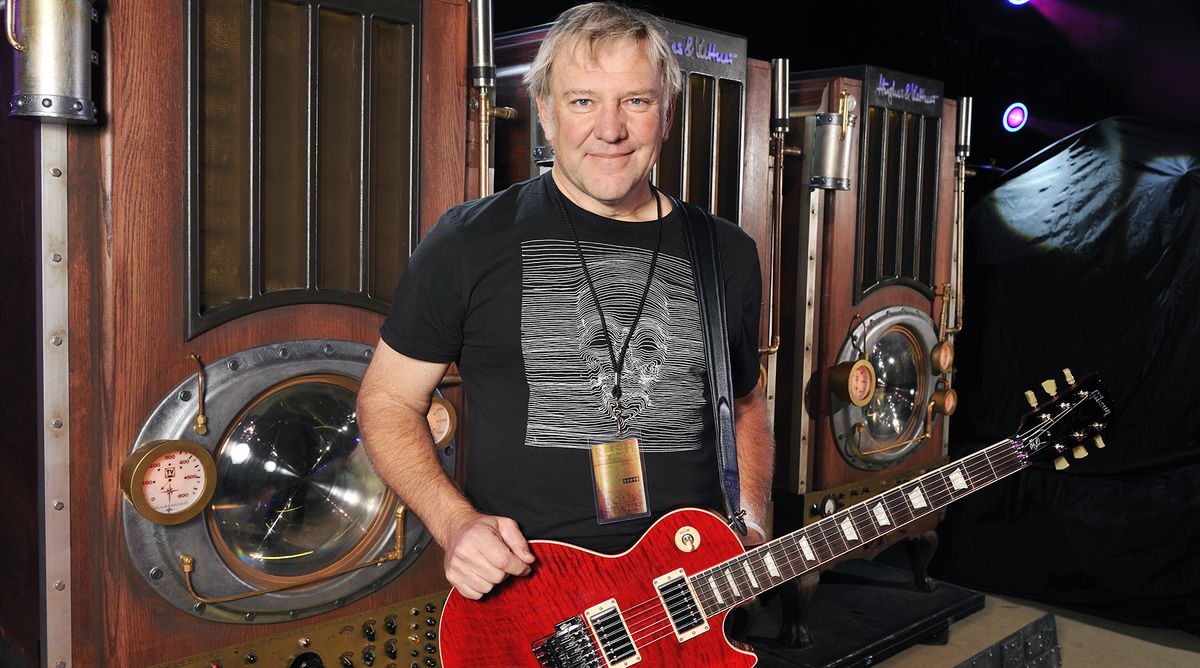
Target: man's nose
[[610, 125]]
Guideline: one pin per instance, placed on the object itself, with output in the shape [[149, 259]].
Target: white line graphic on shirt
[[567, 364]]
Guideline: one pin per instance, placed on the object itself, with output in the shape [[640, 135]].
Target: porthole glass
[[296, 493], [899, 378]]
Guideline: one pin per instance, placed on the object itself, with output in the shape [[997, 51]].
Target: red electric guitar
[[663, 602]]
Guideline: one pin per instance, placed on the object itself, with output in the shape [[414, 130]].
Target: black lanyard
[[618, 361]]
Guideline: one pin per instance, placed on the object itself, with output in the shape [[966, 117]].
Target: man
[[568, 303]]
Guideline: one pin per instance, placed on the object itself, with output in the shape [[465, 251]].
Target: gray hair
[[602, 23]]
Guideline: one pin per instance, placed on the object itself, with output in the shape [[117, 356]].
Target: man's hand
[[482, 550]]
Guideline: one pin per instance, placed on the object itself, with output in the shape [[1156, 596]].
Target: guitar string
[[936, 486], [649, 631], [821, 540], [975, 465]]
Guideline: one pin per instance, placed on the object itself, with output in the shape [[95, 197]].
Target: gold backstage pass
[[619, 481]]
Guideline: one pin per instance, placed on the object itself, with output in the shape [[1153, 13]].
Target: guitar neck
[[738, 580]]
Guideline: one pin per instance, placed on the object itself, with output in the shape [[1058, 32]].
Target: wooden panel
[[128, 342], [756, 218]]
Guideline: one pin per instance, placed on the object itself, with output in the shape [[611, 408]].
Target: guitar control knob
[[1031, 398], [390, 624], [369, 631], [1060, 463], [389, 648], [1098, 441], [1070, 378], [1079, 452], [1050, 386], [250, 657], [430, 635], [429, 607], [369, 657], [431, 662]]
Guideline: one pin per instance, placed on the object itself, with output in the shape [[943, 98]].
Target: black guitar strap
[[701, 234]]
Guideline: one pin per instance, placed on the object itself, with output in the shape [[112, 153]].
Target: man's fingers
[[512, 536]]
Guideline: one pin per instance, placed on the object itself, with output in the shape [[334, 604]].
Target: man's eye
[[581, 102]]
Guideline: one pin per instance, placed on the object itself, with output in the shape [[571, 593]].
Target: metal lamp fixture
[[52, 75]]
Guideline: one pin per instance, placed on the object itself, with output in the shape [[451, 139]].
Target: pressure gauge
[[853, 381], [442, 421], [169, 482], [942, 357]]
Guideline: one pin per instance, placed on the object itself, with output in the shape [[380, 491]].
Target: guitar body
[[501, 629]]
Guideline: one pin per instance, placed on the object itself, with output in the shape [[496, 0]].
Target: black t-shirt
[[497, 286]]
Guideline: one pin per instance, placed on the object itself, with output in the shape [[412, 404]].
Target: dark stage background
[[1084, 256]]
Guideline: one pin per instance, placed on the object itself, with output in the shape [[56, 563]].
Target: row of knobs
[[1050, 386]]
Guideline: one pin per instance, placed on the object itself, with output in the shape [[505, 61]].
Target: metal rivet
[[184, 395], [327, 349], [56, 257], [60, 585], [46, 102], [56, 340], [56, 172], [368, 352], [60, 664], [233, 365], [249, 616], [294, 614], [78, 106], [56, 423], [199, 608], [59, 505], [304, 642], [284, 353], [156, 573]]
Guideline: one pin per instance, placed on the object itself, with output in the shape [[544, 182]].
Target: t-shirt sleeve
[[428, 307], [743, 304]]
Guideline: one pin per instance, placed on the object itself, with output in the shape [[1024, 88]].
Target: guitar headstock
[[1070, 419]]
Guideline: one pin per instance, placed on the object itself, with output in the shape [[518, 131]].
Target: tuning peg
[[1060, 463], [1031, 398], [1079, 452], [1098, 441], [1050, 387], [1069, 376]]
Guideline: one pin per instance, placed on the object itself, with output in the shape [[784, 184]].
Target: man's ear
[[546, 116], [670, 119]]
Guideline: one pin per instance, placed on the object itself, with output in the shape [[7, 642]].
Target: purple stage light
[[1018, 3], [1015, 117]]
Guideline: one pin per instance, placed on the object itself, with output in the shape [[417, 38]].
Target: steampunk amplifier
[[869, 284], [218, 256]]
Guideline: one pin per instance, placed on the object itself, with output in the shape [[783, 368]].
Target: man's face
[[607, 116]]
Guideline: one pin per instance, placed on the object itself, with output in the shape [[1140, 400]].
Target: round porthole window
[[881, 432], [296, 502], [296, 496]]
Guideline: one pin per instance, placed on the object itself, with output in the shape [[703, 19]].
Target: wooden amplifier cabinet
[[259, 173], [865, 276]]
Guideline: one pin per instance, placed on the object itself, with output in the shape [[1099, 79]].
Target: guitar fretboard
[[761, 568]]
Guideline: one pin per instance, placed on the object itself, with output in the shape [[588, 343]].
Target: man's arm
[[756, 460], [481, 550]]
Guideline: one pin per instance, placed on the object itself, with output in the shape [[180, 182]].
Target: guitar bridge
[[570, 646]]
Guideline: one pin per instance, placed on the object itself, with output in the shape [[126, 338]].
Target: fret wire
[[936, 489]]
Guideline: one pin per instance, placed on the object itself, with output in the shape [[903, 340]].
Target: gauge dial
[[861, 384], [943, 357], [169, 482], [442, 421]]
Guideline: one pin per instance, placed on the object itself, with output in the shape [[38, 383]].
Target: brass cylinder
[[52, 76]]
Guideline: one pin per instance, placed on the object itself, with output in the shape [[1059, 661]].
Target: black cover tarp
[[1088, 256]]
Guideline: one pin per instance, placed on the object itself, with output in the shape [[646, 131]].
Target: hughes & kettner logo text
[[701, 49], [910, 92]]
